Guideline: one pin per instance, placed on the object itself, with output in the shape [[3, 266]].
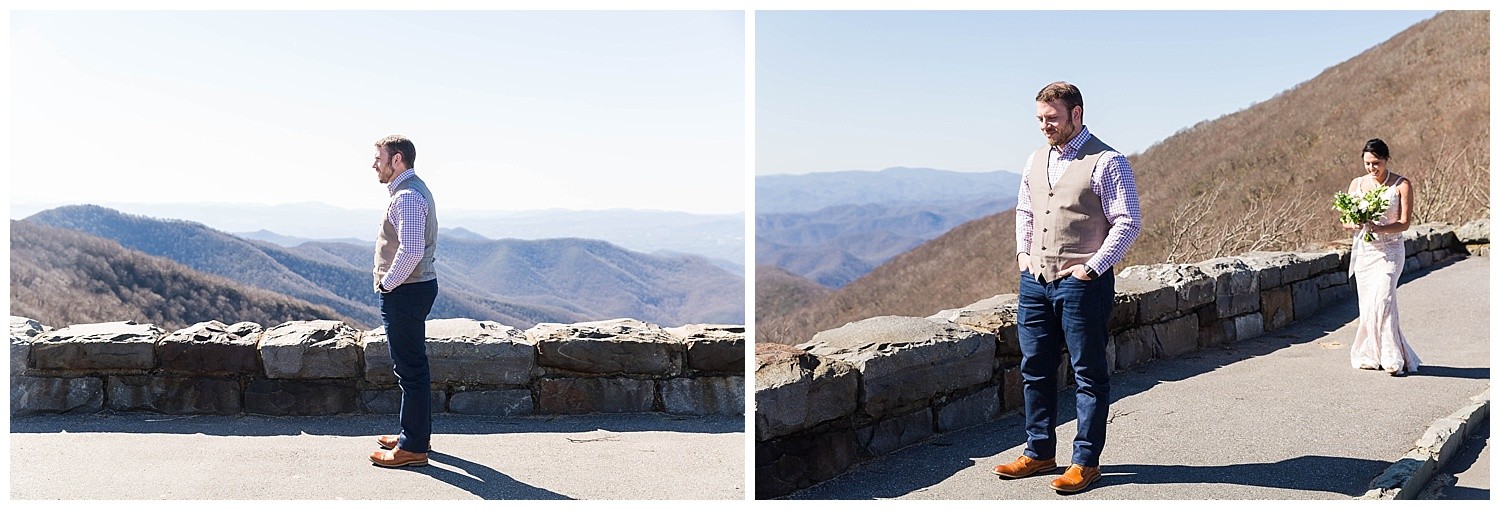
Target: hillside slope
[[62, 277]]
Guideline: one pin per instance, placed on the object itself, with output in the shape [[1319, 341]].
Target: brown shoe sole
[[409, 463], [1033, 472], [1086, 483]]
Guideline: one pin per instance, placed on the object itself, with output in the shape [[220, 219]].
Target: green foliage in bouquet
[[1361, 209]]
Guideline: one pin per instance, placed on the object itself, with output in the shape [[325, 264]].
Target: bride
[[1376, 267]]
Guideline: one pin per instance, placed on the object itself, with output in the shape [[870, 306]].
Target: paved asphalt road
[[1278, 417], [148, 456]]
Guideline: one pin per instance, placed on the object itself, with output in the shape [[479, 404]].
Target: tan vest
[[390, 240], [1068, 224]]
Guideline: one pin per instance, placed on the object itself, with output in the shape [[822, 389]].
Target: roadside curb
[[1405, 478]]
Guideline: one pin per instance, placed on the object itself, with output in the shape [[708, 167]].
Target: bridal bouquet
[[1361, 209]]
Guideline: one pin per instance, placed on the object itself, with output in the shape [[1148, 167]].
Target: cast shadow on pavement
[[1453, 372], [480, 480], [1312, 473], [366, 424]]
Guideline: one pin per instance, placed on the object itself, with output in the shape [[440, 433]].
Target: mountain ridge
[[337, 274]]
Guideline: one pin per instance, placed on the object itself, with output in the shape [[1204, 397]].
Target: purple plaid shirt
[[1112, 180], [408, 212]]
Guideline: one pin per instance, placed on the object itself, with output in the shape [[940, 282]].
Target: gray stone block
[[1276, 307], [459, 351], [388, 401], [893, 434], [1111, 354], [31, 395], [1193, 287], [22, 332], [1156, 300], [1127, 307], [1274, 269], [714, 348], [1134, 347], [1176, 337], [1216, 334], [173, 395], [704, 395], [310, 350], [1011, 389], [904, 362], [1332, 279], [1335, 294], [995, 315], [786, 464], [969, 410], [1236, 285], [107, 346], [795, 390], [492, 402], [1249, 326], [1474, 232], [620, 346], [594, 395], [211, 348], [297, 397], [1322, 263], [1304, 299]]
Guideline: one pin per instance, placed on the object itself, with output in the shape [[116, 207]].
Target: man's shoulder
[[408, 194]]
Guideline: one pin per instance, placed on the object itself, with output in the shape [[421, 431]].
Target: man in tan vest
[[404, 276], [1076, 216]]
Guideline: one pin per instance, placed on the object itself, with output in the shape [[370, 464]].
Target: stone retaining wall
[[874, 386], [327, 367]]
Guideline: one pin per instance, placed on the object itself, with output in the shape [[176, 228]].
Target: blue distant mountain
[[811, 192], [834, 227]]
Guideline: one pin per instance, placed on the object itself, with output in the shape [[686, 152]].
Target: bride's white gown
[[1376, 267]]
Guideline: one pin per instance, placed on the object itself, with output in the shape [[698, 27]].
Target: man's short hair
[[1063, 91], [397, 144]]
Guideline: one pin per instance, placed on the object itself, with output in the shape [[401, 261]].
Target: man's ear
[[1077, 114]]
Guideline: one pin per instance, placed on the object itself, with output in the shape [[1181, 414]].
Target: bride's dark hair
[[1377, 147]]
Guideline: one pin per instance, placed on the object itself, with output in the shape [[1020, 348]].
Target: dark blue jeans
[[403, 311], [1071, 312]]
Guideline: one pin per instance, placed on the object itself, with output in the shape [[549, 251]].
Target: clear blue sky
[[858, 90], [509, 110]]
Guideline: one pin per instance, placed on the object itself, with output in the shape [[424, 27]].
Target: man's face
[[384, 170], [1058, 124]]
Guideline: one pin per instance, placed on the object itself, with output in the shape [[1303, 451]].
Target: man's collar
[[1068, 150], [391, 186]]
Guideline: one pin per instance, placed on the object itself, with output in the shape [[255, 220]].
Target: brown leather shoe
[[1076, 478], [398, 458], [1024, 467], [387, 442]]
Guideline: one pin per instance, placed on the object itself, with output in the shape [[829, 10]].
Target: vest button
[[1044, 248], [1044, 230], [1049, 193], [1048, 212]]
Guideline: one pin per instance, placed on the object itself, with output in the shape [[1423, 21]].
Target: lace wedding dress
[[1376, 267]]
